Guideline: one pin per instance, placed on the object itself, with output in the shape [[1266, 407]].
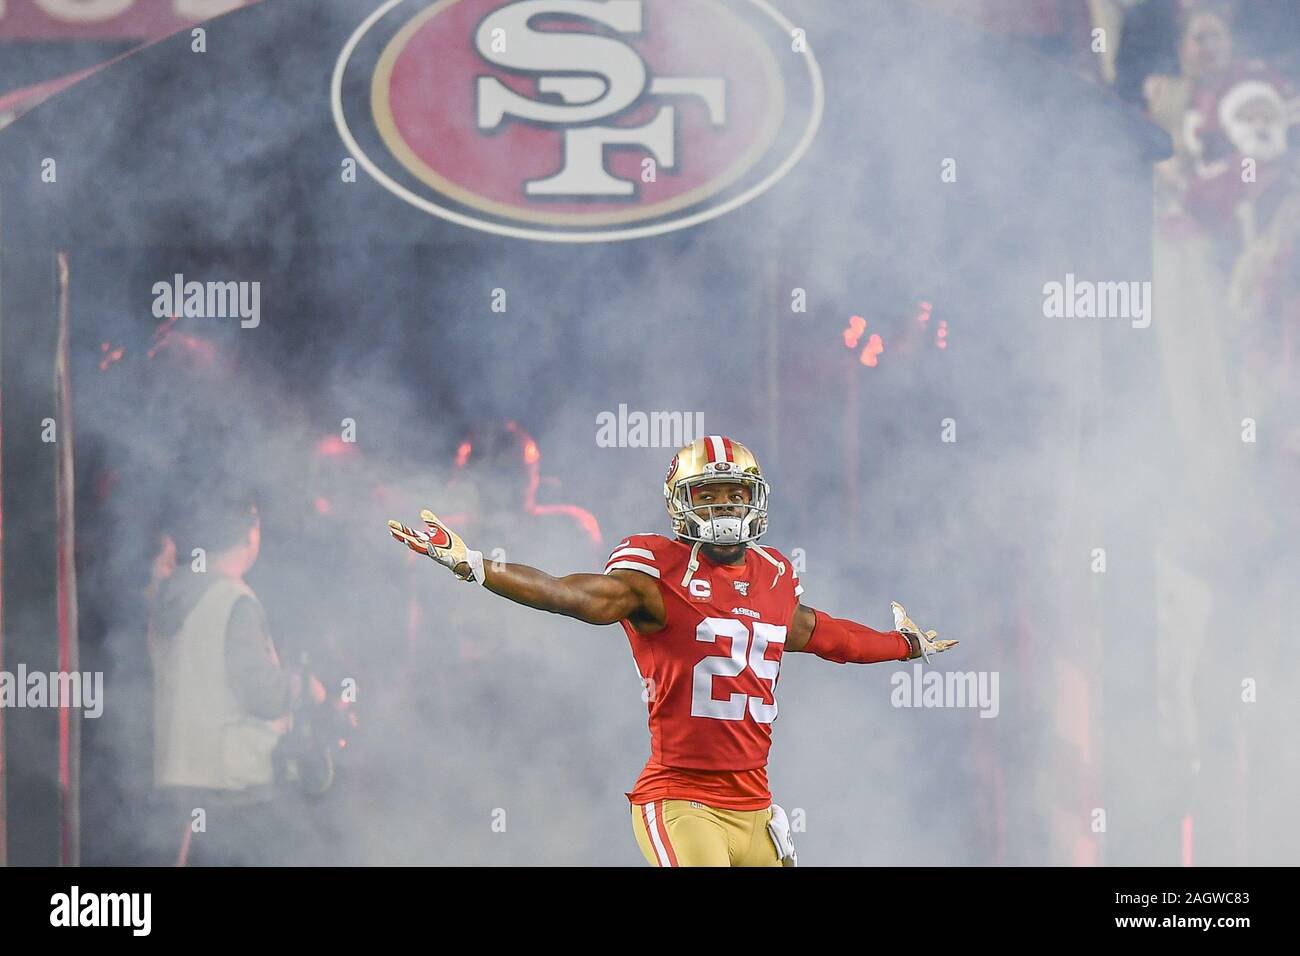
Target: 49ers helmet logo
[[672, 470], [576, 120]]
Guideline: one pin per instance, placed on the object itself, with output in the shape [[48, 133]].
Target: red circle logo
[[576, 119], [672, 470]]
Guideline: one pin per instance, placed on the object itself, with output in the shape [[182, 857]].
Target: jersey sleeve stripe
[[632, 552], [633, 566]]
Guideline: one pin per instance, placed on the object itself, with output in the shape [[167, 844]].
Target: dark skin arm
[[609, 598], [801, 628], [591, 598], [621, 594]]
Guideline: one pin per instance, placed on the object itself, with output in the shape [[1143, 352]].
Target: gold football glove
[[439, 542], [923, 642]]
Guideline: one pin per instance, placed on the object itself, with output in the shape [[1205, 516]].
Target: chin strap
[[779, 565], [693, 564]]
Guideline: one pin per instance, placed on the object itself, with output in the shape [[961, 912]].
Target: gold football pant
[[686, 833]]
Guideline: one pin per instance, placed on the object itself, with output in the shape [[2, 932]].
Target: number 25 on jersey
[[746, 650]]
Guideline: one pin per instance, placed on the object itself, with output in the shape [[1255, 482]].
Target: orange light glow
[[160, 335], [323, 505], [110, 354], [333, 446], [941, 334], [196, 346], [924, 315], [857, 325], [462, 454], [874, 348], [531, 456], [201, 350]]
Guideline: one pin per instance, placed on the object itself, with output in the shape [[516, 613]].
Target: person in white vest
[[222, 701]]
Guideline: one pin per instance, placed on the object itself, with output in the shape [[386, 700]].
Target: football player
[[708, 613]]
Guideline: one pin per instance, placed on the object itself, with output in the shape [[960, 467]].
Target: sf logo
[[584, 81]]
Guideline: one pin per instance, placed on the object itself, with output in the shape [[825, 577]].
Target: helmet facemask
[[703, 522]]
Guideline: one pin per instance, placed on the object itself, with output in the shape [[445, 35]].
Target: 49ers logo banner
[[105, 19], [577, 120]]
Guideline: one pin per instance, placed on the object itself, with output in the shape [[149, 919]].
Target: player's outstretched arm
[[592, 598], [847, 642]]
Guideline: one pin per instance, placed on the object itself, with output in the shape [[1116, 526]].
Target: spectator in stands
[[1228, 118], [1237, 134], [1204, 56]]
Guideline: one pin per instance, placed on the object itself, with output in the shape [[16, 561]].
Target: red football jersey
[[710, 675]]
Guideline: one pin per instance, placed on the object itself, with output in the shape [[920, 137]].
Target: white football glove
[[439, 542], [923, 642]]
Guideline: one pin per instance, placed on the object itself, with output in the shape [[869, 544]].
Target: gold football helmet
[[716, 458]]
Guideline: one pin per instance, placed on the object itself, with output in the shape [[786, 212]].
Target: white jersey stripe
[[719, 451], [632, 552], [633, 566]]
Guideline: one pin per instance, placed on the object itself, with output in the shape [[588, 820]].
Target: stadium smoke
[[1067, 440]]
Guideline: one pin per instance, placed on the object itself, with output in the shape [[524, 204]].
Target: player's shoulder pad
[[790, 573], [639, 552]]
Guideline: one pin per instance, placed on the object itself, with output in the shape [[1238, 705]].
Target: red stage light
[[857, 325], [334, 447], [111, 355], [873, 349]]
